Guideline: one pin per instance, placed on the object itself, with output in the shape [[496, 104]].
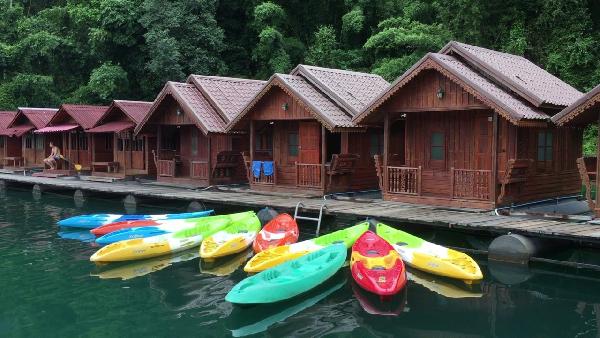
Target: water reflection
[[444, 286], [133, 269], [249, 320], [381, 306], [225, 265], [78, 235]]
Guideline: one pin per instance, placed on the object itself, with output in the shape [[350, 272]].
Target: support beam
[[252, 140], [323, 156], [494, 178], [597, 208], [386, 150]]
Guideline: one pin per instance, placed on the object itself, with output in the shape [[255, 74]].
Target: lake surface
[[48, 288]]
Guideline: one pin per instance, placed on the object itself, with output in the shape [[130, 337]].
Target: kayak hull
[[234, 238], [376, 266], [96, 220], [281, 230], [290, 278], [430, 257], [272, 257]]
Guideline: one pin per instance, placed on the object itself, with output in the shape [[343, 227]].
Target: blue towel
[[268, 168], [256, 165]]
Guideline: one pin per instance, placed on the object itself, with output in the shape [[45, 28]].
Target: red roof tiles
[[39, 117], [6, 118], [85, 115], [112, 127], [529, 81], [583, 111], [136, 110], [227, 95], [334, 96]]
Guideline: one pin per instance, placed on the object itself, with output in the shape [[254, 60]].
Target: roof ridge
[[337, 70]]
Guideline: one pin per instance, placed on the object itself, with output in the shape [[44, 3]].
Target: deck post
[[494, 177], [597, 201], [209, 159], [323, 156], [386, 150]]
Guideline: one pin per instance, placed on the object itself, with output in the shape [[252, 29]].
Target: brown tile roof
[[583, 111], [507, 104], [39, 117], [227, 95], [136, 110], [192, 103], [520, 75], [87, 116], [7, 118], [351, 90], [333, 96]]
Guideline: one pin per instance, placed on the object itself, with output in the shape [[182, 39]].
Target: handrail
[[308, 175], [403, 180]]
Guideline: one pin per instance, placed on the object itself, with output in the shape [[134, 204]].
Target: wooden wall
[[167, 114], [270, 107]]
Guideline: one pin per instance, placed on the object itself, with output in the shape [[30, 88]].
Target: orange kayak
[[281, 230]]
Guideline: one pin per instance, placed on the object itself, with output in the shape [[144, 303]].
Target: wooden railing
[[471, 184], [587, 172], [262, 179], [165, 168], [308, 175], [199, 169], [404, 180]]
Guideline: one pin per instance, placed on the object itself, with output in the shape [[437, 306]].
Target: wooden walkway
[[392, 212]]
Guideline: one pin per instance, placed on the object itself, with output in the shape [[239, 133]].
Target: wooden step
[[100, 179]]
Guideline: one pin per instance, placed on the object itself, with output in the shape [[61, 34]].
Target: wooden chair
[[587, 171], [341, 165], [515, 174], [227, 163]]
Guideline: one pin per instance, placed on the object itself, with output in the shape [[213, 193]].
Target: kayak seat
[[401, 243], [373, 253], [378, 268]]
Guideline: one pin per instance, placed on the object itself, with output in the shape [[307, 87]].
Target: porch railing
[[471, 183], [308, 175], [404, 180], [199, 169], [165, 168]]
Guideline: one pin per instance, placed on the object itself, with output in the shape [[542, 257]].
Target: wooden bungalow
[[189, 121], [115, 151], [302, 135], [585, 111], [27, 149], [9, 146], [66, 130], [470, 127]]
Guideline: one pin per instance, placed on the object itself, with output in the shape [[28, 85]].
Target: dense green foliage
[[96, 50]]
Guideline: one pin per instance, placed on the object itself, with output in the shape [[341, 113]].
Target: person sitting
[[54, 156]]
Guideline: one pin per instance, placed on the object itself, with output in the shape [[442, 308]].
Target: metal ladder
[[300, 205]]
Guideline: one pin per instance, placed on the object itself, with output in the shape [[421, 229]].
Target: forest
[[93, 51]]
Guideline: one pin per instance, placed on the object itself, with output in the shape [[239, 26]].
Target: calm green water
[[49, 288]]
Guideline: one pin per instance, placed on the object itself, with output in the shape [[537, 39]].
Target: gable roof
[[349, 89], [87, 116], [332, 96], [135, 110], [583, 111], [7, 118], [227, 95], [507, 104], [192, 102], [518, 74], [39, 117]]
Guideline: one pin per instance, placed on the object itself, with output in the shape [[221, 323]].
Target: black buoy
[[266, 214], [516, 248]]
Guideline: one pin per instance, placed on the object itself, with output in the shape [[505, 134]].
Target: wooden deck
[[395, 213]]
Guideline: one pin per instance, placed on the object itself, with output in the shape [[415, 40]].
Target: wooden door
[[138, 152], [483, 143], [309, 142]]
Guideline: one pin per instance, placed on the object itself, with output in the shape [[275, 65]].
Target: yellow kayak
[[430, 257], [272, 257], [234, 238]]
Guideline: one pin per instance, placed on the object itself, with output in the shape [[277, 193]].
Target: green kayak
[[291, 278]]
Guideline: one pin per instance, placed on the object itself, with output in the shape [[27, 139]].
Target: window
[[437, 146], [194, 141], [108, 141], [376, 144], [264, 141], [28, 140], [169, 140], [39, 142], [544, 147], [293, 144], [137, 144], [83, 141], [120, 144]]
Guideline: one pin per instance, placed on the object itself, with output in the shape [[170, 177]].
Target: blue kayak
[[96, 220]]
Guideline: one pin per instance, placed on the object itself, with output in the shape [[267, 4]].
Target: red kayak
[[108, 228], [376, 266], [281, 230]]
